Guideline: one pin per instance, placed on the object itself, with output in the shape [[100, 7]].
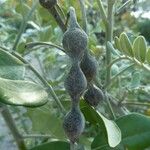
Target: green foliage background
[[131, 88]]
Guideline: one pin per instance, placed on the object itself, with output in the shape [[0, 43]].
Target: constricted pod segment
[[75, 83], [74, 124], [89, 66], [93, 95]]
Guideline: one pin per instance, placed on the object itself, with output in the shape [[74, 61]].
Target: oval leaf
[[50, 123], [135, 130], [108, 126], [117, 43], [23, 93], [126, 44], [139, 48], [148, 56], [11, 67], [111, 48], [55, 145]]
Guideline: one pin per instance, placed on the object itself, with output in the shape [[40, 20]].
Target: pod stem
[[72, 146], [73, 18], [84, 18]]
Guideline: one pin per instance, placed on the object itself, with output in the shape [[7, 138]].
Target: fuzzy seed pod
[[75, 83], [93, 95], [73, 124], [48, 4], [74, 39], [89, 66]]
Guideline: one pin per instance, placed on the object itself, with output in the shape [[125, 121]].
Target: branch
[[45, 83], [109, 36], [102, 12], [126, 4], [23, 25], [13, 128], [37, 136], [136, 103], [84, 18], [34, 44], [53, 11], [121, 72], [116, 60]]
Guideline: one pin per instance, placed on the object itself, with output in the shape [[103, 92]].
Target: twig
[[136, 103], [36, 136], [84, 18], [120, 9], [11, 124], [109, 35], [53, 11], [102, 12], [61, 11], [34, 44], [72, 146], [110, 107], [121, 72], [45, 83], [23, 25], [116, 60]]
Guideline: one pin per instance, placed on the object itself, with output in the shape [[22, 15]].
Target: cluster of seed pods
[[93, 95], [75, 43], [80, 77]]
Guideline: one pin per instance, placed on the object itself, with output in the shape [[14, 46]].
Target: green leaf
[[114, 69], [100, 143], [55, 145], [11, 67], [22, 9], [135, 130], [50, 123], [111, 48], [23, 93], [21, 48], [117, 43], [125, 44], [135, 82], [148, 56], [108, 126], [139, 48]]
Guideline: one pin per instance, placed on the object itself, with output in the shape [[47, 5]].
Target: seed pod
[[48, 4], [93, 95], [88, 66], [74, 39], [75, 83], [74, 123]]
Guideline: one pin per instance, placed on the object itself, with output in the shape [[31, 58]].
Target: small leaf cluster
[[137, 50]]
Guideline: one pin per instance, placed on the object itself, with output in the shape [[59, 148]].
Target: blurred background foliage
[[131, 86]]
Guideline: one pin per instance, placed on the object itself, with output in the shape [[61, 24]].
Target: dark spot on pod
[[48, 4], [89, 66], [93, 95], [73, 124], [75, 83]]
